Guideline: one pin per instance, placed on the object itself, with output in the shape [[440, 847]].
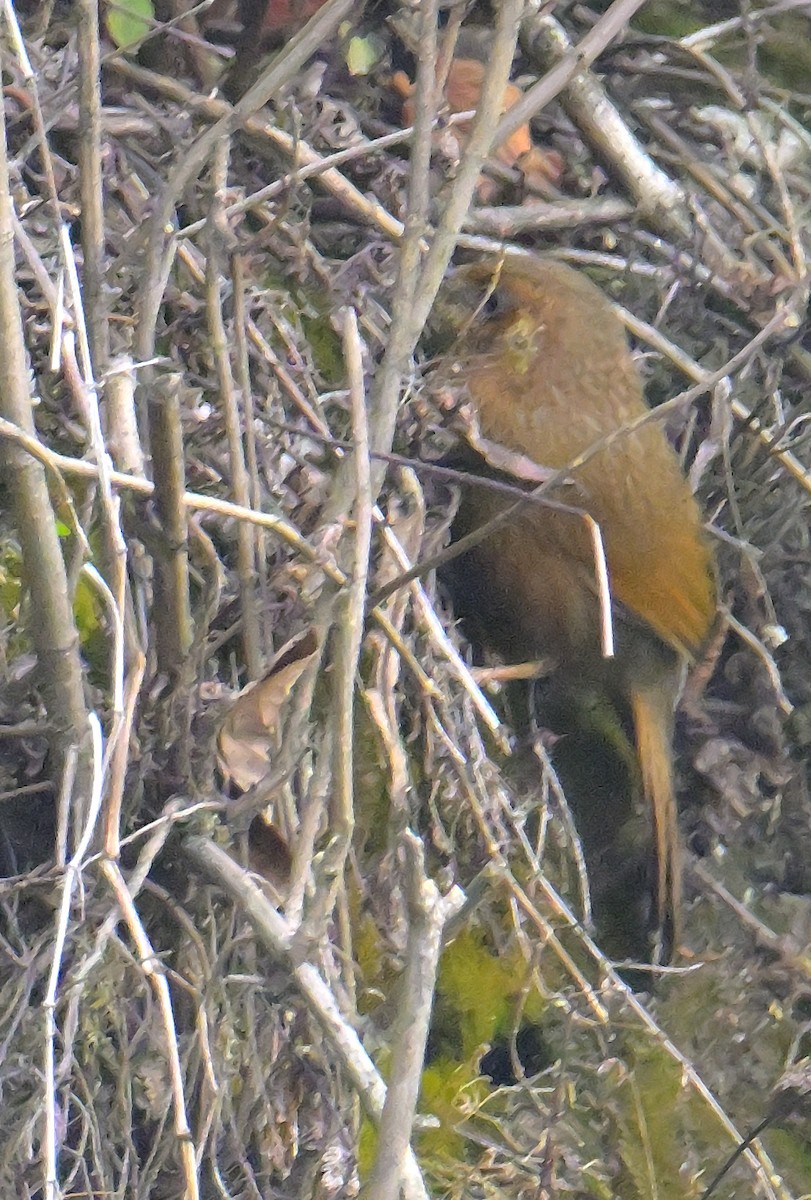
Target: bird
[[543, 364]]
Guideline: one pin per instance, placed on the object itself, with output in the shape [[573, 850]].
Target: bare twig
[[283, 68], [243, 374], [786, 947], [508, 221], [276, 934], [428, 917], [150, 965], [90, 179], [593, 112], [233, 420], [690, 368], [434, 627], [762, 652], [70, 883], [413, 304], [52, 627], [119, 759], [172, 608], [349, 630], [352, 623]]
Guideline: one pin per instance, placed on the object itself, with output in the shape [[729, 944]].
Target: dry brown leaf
[[462, 94], [245, 739], [269, 853]]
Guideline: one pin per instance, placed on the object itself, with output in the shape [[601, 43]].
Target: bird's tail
[[652, 709]]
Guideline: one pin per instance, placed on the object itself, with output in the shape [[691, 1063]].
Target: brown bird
[[544, 363]]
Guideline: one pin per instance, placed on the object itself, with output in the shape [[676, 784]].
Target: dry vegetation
[[211, 321]]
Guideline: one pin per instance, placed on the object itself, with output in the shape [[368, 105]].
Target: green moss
[[793, 1152], [450, 1091], [479, 991], [650, 1145], [325, 347]]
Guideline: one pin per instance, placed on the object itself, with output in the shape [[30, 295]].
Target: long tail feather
[[652, 709]]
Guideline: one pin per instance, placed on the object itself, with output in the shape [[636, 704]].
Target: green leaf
[[86, 610], [362, 53], [129, 21], [10, 581], [367, 1148]]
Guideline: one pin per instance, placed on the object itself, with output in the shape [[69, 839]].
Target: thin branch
[[409, 317], [592, 111], [351, 625], [91, 182], [277, 936], [254, 499], [120, 758], [349, 630], [70, 882], [689, 367], [172, 606], [428, 915], [509, 221], [284, 68], [217, 234], [433, 625], [150, 965], [51, 624]]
